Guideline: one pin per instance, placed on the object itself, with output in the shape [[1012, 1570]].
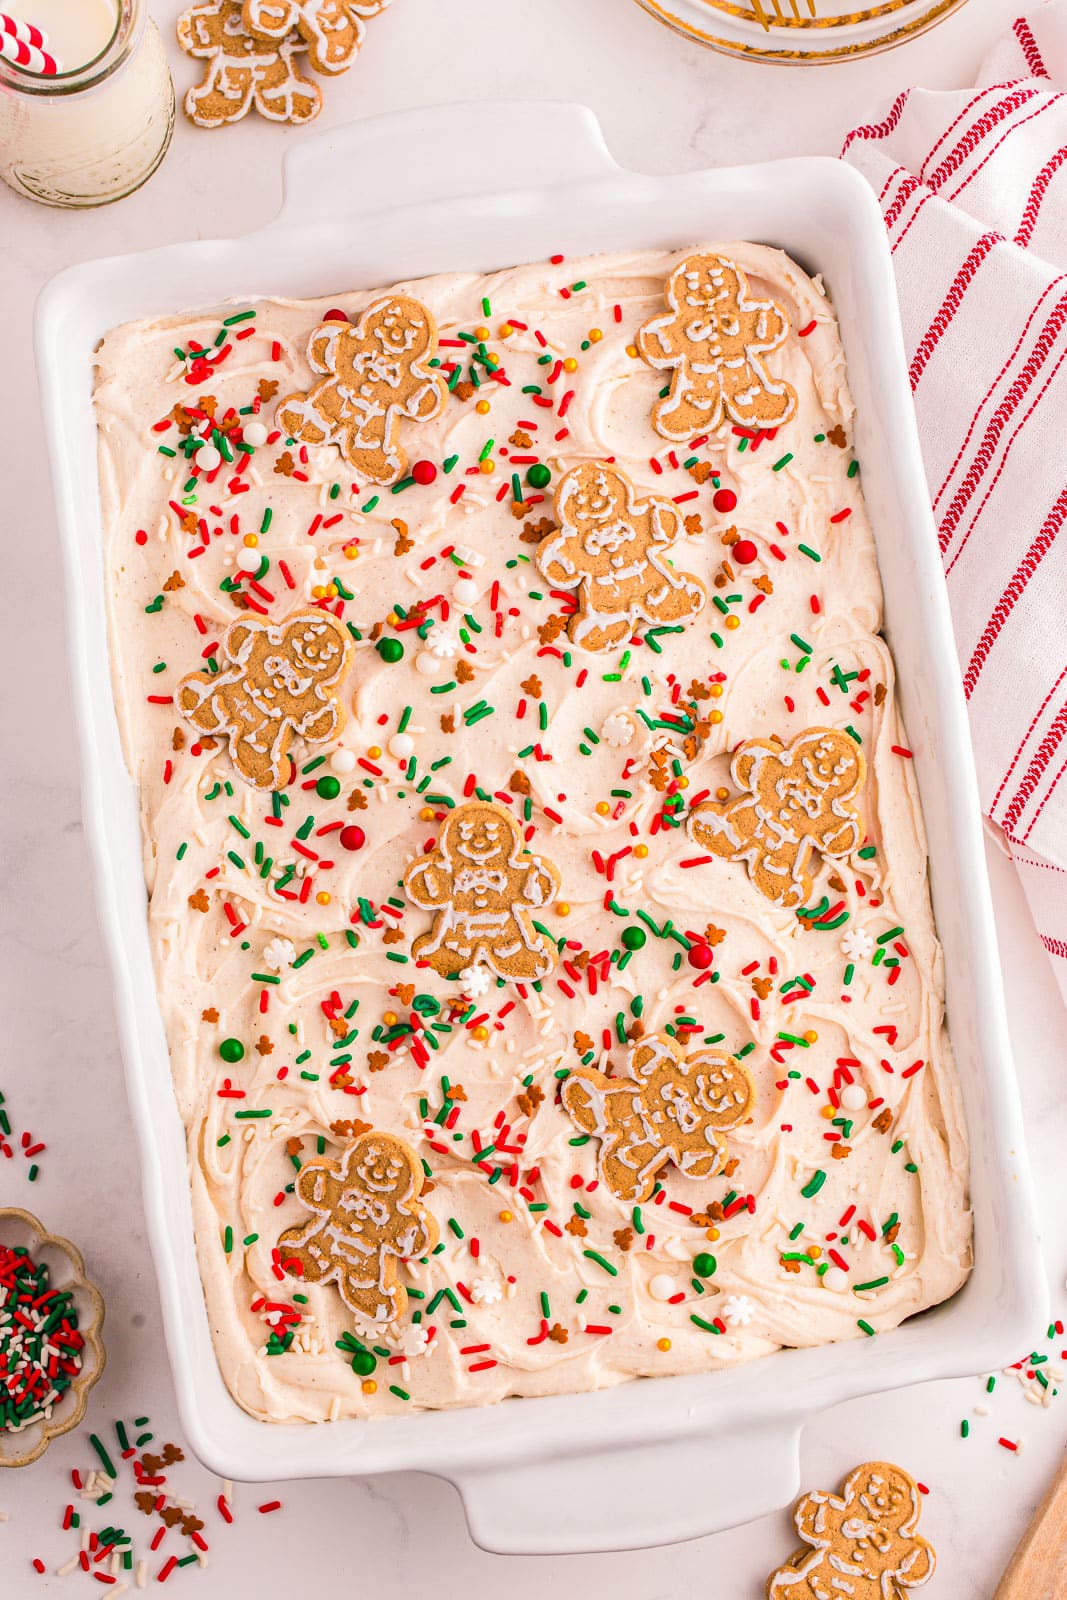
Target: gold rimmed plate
[[798, 32]]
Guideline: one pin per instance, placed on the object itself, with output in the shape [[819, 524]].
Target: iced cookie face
[[613, 547], [713, 341], [279, 683]]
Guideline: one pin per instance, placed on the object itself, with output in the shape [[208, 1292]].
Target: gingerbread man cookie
[[863, 1541], [486, 888], [798, 799], [243, 71], [611, 546], [673, 1107], [712, 341], [332, 30], [376, 373], [278, 681], [367, 1217]]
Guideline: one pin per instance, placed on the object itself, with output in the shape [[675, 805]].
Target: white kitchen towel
[[973, 187]]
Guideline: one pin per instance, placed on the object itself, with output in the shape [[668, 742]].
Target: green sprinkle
[[105, 1459], [814, 1184], [594, 1255], [708, 1327]]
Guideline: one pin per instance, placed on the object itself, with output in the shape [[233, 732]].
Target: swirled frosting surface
[[283, 925]]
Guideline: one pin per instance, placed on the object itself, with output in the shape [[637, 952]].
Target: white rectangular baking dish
[[480, 187]]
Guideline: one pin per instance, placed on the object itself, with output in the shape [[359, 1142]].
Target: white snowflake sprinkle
[[476, 981], [486, 1292], [442, 642], [856, 943], [618, 730], [738, 1311], [279, 954], [414, 1341]]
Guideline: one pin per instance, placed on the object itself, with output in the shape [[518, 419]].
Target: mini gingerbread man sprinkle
[[863, 1541], [376, 374], [278, 681], [612, 547], [367, 1217], [486, 888], [243, 70], [798, 799], [712, 341], [672, 1107]]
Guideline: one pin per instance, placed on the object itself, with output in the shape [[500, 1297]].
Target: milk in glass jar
[[87, 119]]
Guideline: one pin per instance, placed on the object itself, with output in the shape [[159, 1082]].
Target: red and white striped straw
[[23, 43]]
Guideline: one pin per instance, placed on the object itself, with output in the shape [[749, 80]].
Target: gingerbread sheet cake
[[536, 873]]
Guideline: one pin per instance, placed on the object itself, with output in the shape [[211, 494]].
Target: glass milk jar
[[99, 127]]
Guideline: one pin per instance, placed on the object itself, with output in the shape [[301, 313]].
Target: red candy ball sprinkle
[[724, 500], [424, 472], [352, 838], [745, 552], [335, 316], [700, 956]]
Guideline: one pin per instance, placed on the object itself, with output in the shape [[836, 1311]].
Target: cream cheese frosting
[[282, 933]]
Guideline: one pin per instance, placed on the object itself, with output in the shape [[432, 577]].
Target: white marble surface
[[664, 105]]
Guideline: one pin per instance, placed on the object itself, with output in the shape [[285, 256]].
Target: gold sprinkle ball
[[369, 1386], [562, 908], [570, 365], [251, 540], [323, 897], [481, 1034], [505, 1216], [663, 1344], [602, 808], [640, 851], [482, 408], [732, 622], [488, 465], [595, 336], [390, 1019], [374, 751]]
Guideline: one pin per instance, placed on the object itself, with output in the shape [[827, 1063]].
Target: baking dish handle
[[437, 153], [635, 1497]]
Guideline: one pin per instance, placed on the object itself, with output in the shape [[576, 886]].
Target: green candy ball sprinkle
[[539, 476], [231, 1050], [328, 788], [704, 1265], [390, 650], [634, 938], [363, 1363]]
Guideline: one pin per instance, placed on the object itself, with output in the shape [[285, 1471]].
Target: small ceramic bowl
[[66, 1271]]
